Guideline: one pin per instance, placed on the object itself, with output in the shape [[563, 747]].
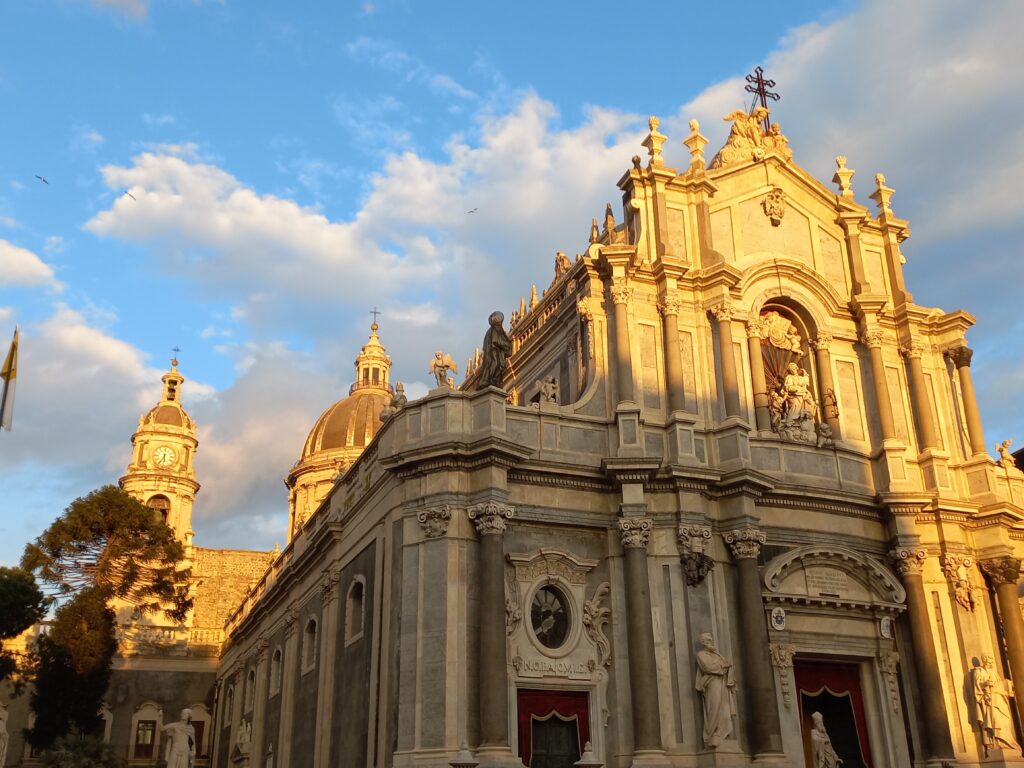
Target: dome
[[341, 433]]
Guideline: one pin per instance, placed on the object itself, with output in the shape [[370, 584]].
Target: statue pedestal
[[497, 757], [729, 755], [651, 758], [1003, 757]]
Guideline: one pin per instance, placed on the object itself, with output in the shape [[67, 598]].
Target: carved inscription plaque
[[827, 581]]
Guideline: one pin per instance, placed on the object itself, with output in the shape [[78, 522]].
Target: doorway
[[553, 727], [834, 689]]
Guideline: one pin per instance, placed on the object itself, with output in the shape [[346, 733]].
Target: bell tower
[[161, 474]]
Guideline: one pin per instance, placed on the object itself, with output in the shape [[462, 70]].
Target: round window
[[549, 616]]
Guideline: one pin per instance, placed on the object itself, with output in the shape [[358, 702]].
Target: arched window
[[146, 724], [354, 610], [309, 640], [160, 504], [250, 690], [228, 714], [275, 671]]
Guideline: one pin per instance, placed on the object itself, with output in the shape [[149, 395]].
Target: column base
[[497, 757], [729, 755], [649, 758]]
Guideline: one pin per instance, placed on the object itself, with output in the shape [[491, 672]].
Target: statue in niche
[[181, 741], [497, 348], [822, 753], [793, 409], [439, 368], [716, 684], [548, 390], [1006, 460], [991, 705]]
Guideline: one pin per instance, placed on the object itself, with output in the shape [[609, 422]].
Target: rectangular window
[[145, 735]]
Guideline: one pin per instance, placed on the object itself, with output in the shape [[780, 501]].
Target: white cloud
[[85, 138], [19, 266], [157, 121], [6, 313], [135, 9]]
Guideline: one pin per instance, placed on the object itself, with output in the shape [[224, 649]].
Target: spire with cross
[[174, 360], [375, 312], [759, 85]]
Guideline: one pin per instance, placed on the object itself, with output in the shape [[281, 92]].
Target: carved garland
[[595, 617], [782, 660]]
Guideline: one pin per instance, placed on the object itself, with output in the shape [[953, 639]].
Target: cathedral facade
[[730, 505]]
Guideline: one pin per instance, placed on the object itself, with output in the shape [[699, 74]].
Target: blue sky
[[295, 165]]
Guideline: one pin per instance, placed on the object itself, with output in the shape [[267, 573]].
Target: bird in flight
[[473, 211], [130, 195], [42, 179]]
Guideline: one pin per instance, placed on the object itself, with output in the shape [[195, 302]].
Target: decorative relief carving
[[774, 205], [693, 541], [668, 306], [434, 521], [722, 312], [961, 356], [513, 614], [1001, 570], [872, 337], [782, 660], [888, 662], [635, 532], [748, 140], [780, 332], [834, 573], [744, 542], [595, 617], [328, 586], [957, 569], [913, 350], [621, 290], [583, 308], [907, 561], [490, 517], [549, 562]]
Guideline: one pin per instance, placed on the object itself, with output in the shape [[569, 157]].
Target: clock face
[[164, 456]]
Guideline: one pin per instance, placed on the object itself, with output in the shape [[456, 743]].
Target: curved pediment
[[833, 574]]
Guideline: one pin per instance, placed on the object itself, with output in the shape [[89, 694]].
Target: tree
[[22, 604], [73, 669], [109, 539]]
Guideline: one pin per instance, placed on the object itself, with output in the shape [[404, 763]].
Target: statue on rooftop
[[439, 367], [748, 139], [548, 389], [1006, 460], [398, 401], [497, 348]]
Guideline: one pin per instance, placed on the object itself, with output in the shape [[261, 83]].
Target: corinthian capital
[[490, 518], [913, 350], [821, 341], [755, 329], [621, 292], [721, 312], [1001, 570], [907, 561], [745, 542], [434, 521], [635, 532], [668, 306], [872, 337], [961, 356]]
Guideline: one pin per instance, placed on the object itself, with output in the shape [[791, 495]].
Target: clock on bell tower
[[161, 474]]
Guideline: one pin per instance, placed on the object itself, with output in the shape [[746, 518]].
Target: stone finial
[[609, 219], [842, 177], [882, 195], [595, 233], [654, 142], [464, 758], [696, 142], [533, 297]]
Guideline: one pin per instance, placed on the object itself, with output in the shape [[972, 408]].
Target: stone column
[[823, 358], [490, 519], [730, 383], [259, 704], [762, 414], [289, 672], [934, 725], [872, 339], [764, 730], [327, 637], [1003, 574], [643, 674], [621, 293], [669, 308], [920, 401], [961, 357]]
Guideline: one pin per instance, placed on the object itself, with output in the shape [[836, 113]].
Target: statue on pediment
[[749, 141]]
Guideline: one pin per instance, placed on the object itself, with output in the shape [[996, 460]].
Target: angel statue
[[439, 367], [1006, 460]]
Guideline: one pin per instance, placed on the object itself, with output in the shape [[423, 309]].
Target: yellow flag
[[9, 375]]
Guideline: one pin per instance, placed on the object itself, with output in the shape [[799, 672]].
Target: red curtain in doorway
[[840, 680], [566, 704]]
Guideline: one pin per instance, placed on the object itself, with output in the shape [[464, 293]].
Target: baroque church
[[726, 502]]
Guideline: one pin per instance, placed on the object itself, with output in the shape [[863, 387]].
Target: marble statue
[[825, 435], [439, 368], [716, 685], [1006, 460], [181, 741], [4, 736], [831, 404], [991, 705], [562, 264], [398, 401], [497, 348], [548, 389], [796, 389], [822, 753]]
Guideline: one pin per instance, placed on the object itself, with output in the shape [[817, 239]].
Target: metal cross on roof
[[174, 360], [375, 312], [759, 86]]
